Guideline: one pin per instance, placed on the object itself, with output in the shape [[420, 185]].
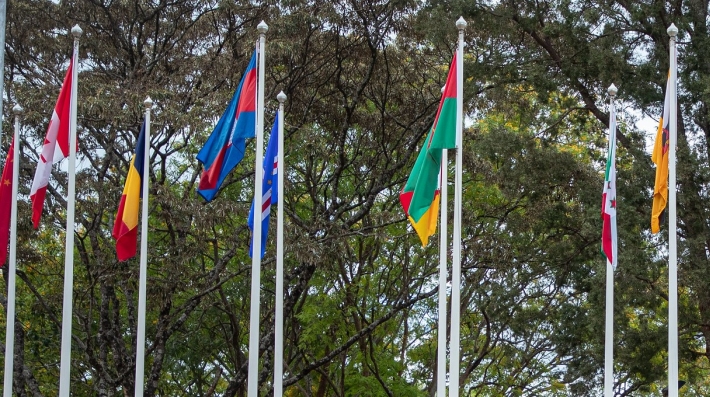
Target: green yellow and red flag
[[420, 195]]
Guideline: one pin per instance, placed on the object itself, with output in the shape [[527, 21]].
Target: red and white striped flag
[[55, 148]]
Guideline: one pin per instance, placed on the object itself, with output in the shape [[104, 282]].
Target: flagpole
[[456, 258], [65, 366], [3, 20], [441, 351], [672, 233], [253, 375], [143, 270], [441, 340], [279, 311], [12, 262], [609, 316]]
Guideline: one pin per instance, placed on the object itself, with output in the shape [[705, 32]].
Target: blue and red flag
[[225, 147], [269, 189], [125, 227]]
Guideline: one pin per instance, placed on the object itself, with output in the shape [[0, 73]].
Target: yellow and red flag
[[125, 227]]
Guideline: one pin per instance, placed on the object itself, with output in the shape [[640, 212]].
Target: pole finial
[[281, 97], [612, 90], [76, 31], [461, 24], [17, 109], [262, 27], [148, 103], [672, 30]]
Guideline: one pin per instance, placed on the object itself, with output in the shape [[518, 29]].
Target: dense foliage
[[363, 80]]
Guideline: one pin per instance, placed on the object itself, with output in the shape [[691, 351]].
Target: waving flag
[[660, 158], [420, 196], [6, 202], [55, 148], [269, 191], [225, 146], [609, 245], [125, 227]]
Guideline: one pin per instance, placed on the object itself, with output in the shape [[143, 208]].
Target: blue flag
[[268, 189], [225, 147]]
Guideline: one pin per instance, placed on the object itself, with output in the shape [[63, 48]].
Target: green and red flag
[[609, 244], [420, 196]]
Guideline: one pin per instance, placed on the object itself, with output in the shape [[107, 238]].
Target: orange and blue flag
[[269, 191], [125, 227], [225, 147]]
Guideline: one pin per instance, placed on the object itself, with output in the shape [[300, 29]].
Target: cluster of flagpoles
[[609, 208], [65, 363]]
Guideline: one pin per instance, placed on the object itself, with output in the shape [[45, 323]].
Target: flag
[[660, 158], [420, 195], [6, 202], [609, 245], [269, 191], [125, 227], [225, 147], [55, 147]]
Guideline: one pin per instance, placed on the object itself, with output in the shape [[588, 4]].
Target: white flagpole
[[143, 270], [672, 233], [456, 256], [253, 375], [279, 311], [65, 366], [609, 320], [443, 244], [278, 326], [12, 261]]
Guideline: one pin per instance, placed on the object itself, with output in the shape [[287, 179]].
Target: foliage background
[[363, 81]]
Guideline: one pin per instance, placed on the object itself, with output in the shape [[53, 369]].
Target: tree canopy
[[363, 79]]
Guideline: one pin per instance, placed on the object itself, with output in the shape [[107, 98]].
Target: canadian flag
[[55, 148]]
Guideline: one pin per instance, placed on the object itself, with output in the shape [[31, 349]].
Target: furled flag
[[268, 189], [6, 202], [225, 146], [125, 227], [420, 196], [55, 148], [660, 158], [609, 198]]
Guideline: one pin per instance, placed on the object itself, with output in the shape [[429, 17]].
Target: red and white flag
[[55, 148], [609, 235]]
